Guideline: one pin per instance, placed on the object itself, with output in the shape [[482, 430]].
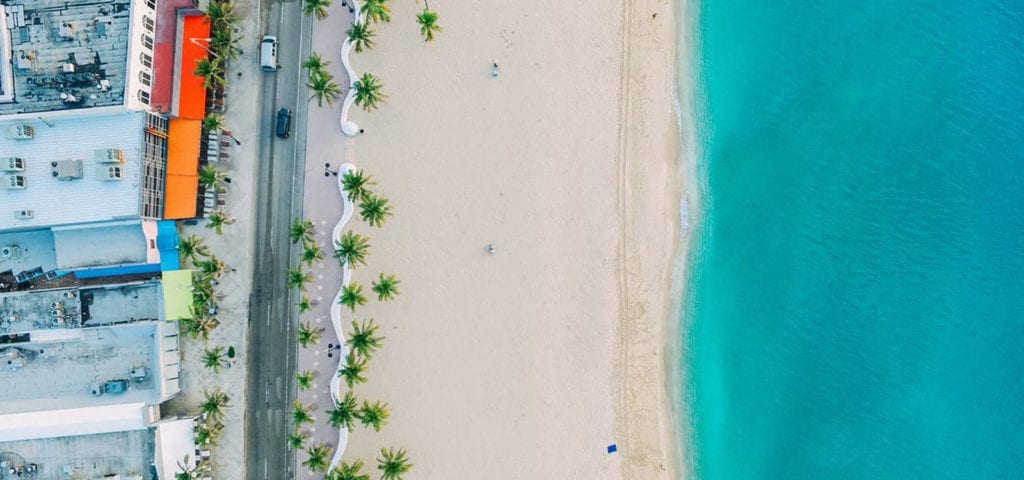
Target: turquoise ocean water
[[855, 296]]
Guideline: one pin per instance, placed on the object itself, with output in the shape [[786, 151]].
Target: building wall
[[142, 32], [154, 166]]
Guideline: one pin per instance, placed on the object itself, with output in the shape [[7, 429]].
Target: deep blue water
[[855, 296]]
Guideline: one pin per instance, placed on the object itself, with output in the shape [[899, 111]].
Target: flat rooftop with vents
[[22, 312], [69, 369], [80, 170], [129, 454], [147, 449], [59, 349], [63, 54]]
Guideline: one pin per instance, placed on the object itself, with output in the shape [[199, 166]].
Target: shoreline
[[651, 346], [684, 88]]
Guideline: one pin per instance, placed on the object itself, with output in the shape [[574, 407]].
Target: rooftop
[[59, 348], [23, 312], [70, 422], [65, 54], [114, 244], [70, 368], [87, 456], [20, 251], [164, 55], [49, 201], [175, 440]]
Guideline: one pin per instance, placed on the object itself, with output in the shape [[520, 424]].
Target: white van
[[268, 53]]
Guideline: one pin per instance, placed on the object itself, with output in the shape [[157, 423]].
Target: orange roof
[[195, 33], [182, 184]]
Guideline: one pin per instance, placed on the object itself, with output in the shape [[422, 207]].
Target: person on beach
[[494, 73]]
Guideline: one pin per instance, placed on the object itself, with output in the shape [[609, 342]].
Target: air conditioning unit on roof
[[109, 173], [12, 182], [20, 132], [23, 214], [109, 155], [12, 164], [66, 169]]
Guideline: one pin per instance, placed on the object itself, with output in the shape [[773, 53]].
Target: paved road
[[279, 168]]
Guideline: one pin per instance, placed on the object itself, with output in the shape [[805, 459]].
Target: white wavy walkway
[[347, 208], [349, 127]]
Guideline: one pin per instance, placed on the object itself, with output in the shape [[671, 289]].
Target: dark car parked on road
[[283, 126]]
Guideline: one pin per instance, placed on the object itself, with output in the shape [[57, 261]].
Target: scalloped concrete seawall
[[349, 127], [347, 209]]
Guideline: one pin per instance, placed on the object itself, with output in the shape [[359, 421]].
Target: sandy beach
[[529, 362]]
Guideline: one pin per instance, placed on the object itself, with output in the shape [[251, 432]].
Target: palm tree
[[217, 219], [353, 370], [344, 414], [324, 88], [352, 295], [302, 230], [193, 328], [209, 432], [312, 253], [300, 414], [202, 284], [214, 359], [212, 267], [361, 36], [304, 379], [352, 249], [376, 10], [362, 339], [212, 72], [374, 210], [368, 93], [213, 122], [186, 472], [191, 247], [428, 24], [214, 404], [305, 304], [211, 177], [387, 287], [317, 8], [298, 438], [202, 289], [308, 334], [355, 184], [344, 471], [317, 461], [224, 42], [299, 278], [203, 468], [220, 14], [373, 414], [315, 63], [199, 325], [202, 296], [393, 464]]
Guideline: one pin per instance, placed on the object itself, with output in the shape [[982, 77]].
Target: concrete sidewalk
[[235, 248], [325, 144]]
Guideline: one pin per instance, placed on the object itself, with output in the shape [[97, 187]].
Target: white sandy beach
[[527, 363]]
